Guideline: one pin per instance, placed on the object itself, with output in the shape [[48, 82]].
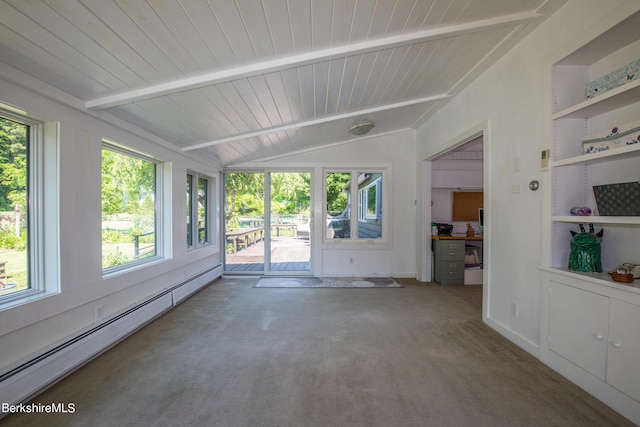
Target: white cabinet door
[[623, 371], [578, 327]]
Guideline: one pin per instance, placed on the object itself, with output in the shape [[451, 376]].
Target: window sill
[[131, 267], [24, 297]]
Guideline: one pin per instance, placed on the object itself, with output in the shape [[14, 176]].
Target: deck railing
[[139, 252]]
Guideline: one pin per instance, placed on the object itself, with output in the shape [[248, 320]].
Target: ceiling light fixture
[[360, 128]]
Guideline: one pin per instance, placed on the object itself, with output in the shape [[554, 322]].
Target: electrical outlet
[[514, 308], [99, 313]]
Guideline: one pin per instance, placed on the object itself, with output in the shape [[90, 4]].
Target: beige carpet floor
[[235, 355]]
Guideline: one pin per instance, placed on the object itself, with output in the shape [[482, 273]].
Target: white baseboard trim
[[30, 378], [609, 395], [186, 289], [411, 275], [528, 346]]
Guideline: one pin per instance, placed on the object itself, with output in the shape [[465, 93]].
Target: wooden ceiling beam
[[208, 79], [317, 121]]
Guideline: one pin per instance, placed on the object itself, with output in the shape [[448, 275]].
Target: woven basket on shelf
[[619, 277]]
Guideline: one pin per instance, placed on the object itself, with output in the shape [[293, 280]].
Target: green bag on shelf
[[585, 252]]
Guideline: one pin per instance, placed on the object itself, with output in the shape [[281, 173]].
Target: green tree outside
[[128, 207], [14, 137]]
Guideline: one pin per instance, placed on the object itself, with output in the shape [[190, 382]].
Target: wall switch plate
[[544, 159]]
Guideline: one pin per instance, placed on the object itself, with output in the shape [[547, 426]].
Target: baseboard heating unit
[[28, 379]]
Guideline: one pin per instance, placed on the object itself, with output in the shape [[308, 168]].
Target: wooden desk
[[457, 237]]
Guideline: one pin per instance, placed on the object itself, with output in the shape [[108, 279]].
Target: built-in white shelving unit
[[573, 174], [588, 322]]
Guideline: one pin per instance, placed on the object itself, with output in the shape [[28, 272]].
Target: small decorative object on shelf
[[627, 268], [585, 253], [580, 211], [621, 275], [470, 231], [614, 79], [616, 137], [621, 199]]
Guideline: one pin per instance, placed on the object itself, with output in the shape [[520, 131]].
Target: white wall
[[509, 101], [397, 257], [28, 329]]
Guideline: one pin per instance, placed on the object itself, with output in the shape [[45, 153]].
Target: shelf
[[594, 219], [603, 278], [611, 100], [600, 157], [573, 174]]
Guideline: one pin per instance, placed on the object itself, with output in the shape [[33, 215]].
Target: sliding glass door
[[244, 222], [290, 226], [267, 222]]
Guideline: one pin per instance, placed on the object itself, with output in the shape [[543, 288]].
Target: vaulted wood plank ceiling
[[247, 80]]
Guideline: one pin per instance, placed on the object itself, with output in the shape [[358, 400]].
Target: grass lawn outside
[[15, 269], [124, 252], [16, 263]]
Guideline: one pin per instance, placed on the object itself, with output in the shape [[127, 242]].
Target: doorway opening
[[460, 165], [268, 223]]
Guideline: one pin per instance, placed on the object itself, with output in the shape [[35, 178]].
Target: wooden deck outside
[[287, 254]]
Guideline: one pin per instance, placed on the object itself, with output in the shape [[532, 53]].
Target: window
[[198, 210], [338, 205], [189, 210], [28, 207], [370, 197], [339, 190], [15, 190], [130, 194], [203, 216]]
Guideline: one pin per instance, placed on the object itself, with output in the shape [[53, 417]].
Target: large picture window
[[357, 191], [130, 195], [15, 189], [28, 208]]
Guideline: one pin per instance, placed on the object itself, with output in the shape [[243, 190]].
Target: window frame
[[209, 209], [43, 240], [158, 202], [356, 196], [363, 200]]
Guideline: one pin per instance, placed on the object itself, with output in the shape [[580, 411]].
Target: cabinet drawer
[[451, 250], [450, 272]]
